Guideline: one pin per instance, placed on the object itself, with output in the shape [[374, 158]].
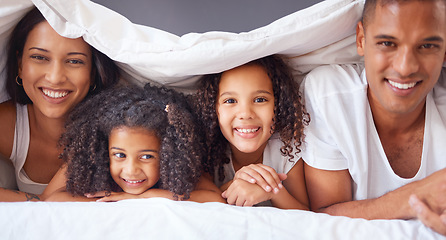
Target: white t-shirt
[[271, 157], [342, 134]]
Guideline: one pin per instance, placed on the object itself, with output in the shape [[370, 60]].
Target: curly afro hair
[[289, 120], [85, 141]]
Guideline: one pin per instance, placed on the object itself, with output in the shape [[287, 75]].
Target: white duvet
[[321, 34]]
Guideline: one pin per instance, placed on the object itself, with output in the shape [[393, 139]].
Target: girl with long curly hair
[[254, 121], [130, 142]]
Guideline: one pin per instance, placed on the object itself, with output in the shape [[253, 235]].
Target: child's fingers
[[112, 197], [269, 176], [282, 176], [230, 198], [107, 199], [251, 174], [98, 194], [247, 175]]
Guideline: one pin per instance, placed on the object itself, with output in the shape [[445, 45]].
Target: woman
[[47, 76]]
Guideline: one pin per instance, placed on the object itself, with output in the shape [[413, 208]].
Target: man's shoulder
[[440, 88]]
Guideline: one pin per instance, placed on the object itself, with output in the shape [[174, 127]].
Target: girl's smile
[[134, 158], [245, 107]]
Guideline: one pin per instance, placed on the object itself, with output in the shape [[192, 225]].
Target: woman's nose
[[55, 73]]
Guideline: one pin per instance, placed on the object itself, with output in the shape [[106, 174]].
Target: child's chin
[[134, 191]]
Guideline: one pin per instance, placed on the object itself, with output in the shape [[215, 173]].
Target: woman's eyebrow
[[70, 53]]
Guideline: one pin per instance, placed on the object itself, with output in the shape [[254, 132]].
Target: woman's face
[[55, 71]]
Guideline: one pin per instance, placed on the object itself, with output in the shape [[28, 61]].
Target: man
[[375, 143]]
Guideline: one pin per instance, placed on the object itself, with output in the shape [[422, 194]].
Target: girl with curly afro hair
[[130, 142], [253, 120]]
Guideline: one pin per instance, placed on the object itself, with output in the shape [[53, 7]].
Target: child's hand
[[266, 177], [107, 196], [243, 193]]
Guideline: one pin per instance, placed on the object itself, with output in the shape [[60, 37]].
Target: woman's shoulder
[[7, 112], [7, 126]]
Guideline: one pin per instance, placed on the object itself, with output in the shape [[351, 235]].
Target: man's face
[[404, 48]]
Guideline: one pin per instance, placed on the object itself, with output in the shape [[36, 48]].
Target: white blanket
[[159, 218], [321, 34]]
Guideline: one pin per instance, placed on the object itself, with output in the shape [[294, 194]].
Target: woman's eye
[[38, 57], [75, 61], [119, 155]]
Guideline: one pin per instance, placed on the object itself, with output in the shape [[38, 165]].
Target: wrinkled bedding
[[321, 34]]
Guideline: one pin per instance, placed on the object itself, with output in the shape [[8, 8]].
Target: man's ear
[[360, 38]]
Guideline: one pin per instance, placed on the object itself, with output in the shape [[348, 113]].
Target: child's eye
[[230, 100], [260, 99], [147, 156], [119, 155]]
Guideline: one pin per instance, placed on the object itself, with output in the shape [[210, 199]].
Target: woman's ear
[[360, 38]]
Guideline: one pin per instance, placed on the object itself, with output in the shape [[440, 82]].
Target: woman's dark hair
[[88, 129], [104, 72], [289, 112]]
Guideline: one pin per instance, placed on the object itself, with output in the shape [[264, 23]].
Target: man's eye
[[387, 44], [429, 46]]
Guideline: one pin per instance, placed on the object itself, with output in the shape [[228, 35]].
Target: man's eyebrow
[[428, 39], [434, 39], [384, 36]]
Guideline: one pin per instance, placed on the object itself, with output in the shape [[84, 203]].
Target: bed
[[321, 34]]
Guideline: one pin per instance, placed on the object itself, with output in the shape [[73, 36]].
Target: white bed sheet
[[321, 34], [159, 218]]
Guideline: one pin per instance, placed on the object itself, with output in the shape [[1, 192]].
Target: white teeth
[[54, 94], [402, 85], [130, 181], [247, 130]]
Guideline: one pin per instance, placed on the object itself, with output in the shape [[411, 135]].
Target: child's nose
[[131, 167], [245, 111]]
